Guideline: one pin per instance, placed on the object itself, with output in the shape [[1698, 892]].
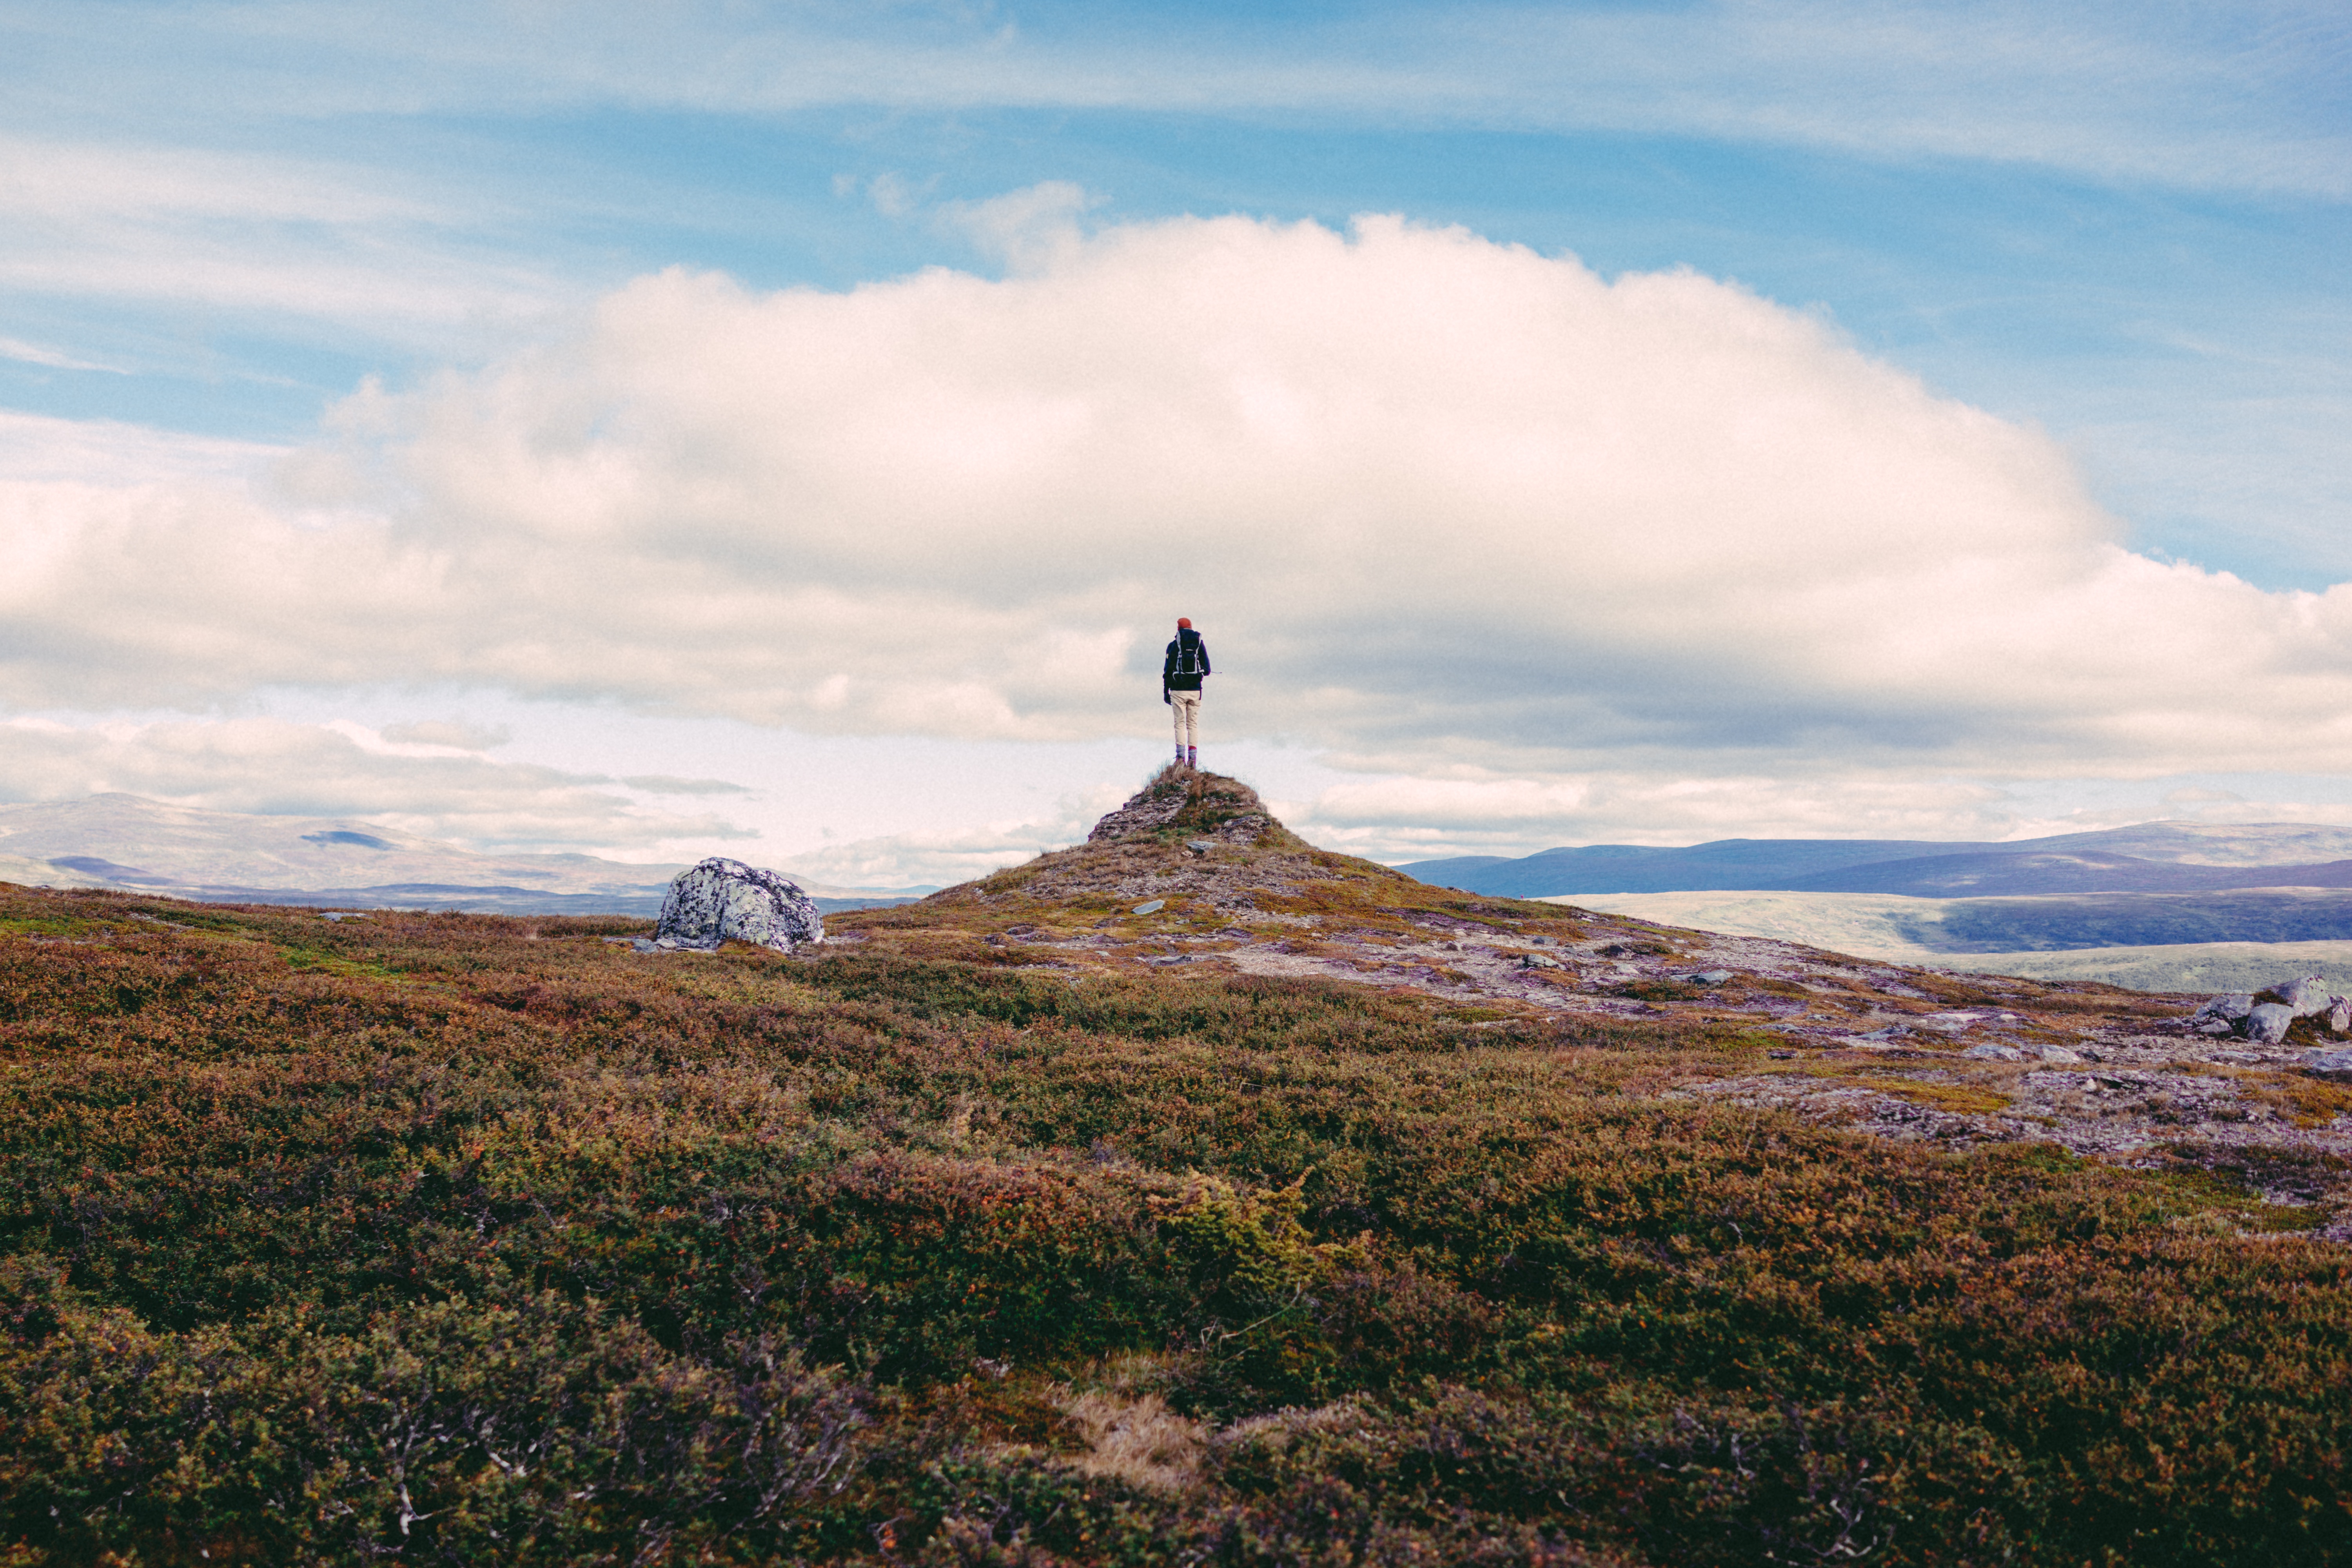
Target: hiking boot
[[1192, 756]]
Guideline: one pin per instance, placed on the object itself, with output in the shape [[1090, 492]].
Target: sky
[[791, 430]]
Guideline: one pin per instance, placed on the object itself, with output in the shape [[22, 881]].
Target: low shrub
[[434, 1238]]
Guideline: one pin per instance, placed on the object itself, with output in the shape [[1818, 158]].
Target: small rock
[[1153, 908], [2215, 1027], [1200, 846], [2229, 1008], [2306, 996], [2335, 1062], [1708, 977], [1993, 1053], [1539, 960], [2267, 1023], [1540, 940], [2058, 1054]]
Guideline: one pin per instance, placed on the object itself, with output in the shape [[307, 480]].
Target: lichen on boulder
[[722, 900]]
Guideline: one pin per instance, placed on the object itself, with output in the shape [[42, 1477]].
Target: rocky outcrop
[[722, 901], [2265, 1016], [2225, 1010], [1206, 810]]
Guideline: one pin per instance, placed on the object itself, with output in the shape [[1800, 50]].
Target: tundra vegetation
[[974, 1238]]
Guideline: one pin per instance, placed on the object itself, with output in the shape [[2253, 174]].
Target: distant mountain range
[[131, 843], [2152, 857], [2159, 884]]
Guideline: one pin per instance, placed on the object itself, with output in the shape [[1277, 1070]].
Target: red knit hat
[[1184, 622]]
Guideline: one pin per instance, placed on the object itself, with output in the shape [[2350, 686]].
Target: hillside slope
[[1193, 875], [1312, 1217]]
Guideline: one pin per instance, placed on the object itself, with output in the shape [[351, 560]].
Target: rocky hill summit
[[1199, 837], [1187, 804], [1194, 876]]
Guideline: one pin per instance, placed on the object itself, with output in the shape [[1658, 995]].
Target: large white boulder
[[724, 899]]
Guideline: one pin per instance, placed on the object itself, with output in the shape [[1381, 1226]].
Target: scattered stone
[[2337, 1063], [2267, 1023], [1540, 940], [1708, 977], [2229, 1008], [2339, 1015], [2058, 1054], [722, 899], [1199, 846], [341, 915], [1994, 1053], [1153, 908], [1540, 960]]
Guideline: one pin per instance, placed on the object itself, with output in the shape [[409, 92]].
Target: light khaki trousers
[[1186, 708]]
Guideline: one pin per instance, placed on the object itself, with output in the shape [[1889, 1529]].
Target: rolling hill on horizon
[[2217, 894], [133, 844], [2147, 858]]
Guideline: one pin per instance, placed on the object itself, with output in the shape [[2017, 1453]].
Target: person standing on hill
[[1181, 674]]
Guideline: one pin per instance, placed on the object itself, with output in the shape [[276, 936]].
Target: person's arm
[[1206, 670], [1167, 663]]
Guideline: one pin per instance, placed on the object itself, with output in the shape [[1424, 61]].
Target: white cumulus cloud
[[1440, 504]]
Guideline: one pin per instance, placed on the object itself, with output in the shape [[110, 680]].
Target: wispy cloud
[[34, 354], [41, 449], [2238, 97], [270, 766], [258, 235]]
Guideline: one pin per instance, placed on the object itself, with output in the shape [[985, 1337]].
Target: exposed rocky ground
[[1194, 871]]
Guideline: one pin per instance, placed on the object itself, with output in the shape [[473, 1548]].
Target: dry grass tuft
[[1139, 1441]]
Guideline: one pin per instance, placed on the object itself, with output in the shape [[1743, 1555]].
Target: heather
[[471, 1240]]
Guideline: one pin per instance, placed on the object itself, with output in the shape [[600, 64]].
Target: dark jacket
[[1187, 662]]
